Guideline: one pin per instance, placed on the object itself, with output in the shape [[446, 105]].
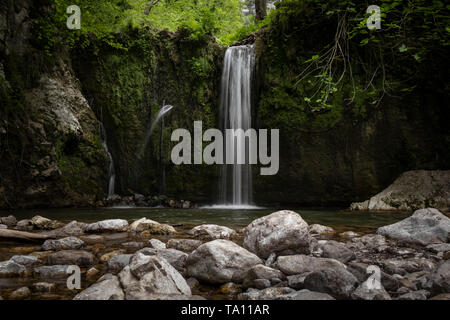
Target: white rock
[[212, 232], [108, 225], [107, 288]]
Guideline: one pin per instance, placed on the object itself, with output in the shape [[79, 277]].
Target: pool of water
[[234, 218]]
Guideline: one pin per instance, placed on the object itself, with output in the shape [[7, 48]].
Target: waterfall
[[111, 170], [235, 113]]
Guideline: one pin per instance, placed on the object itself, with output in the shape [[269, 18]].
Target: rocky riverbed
[[278, 256]]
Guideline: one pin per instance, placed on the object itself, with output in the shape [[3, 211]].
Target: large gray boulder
[[147, 276], [425, 226], [337, 282], [116, 225], [107, 288], [413, 190], [176, 258], [336, 250], [283, 232], [220, 261], [298, 264]]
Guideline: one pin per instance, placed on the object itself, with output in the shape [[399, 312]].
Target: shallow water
[[341, 220]]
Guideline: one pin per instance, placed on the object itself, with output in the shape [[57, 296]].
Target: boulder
[[111, 225], [424, 227], [44, 287], [298, 264], [56, 271], [212, 232], [118, 262], [337, 282], [106, 288], [26, 261], [63, 244], [156, 244], [261, 276], [411, 191], [75, 228], [186, 245], [370, 290], [3, 226], [439, 247], [415, 295], [283, 232], [220, 261], [71, 257], [147, 276], [9, 221], [45, 224], [152, 227], [336, 250], [176, 258], [403, 266]]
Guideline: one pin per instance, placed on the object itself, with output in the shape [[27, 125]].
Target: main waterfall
[[235, 113]]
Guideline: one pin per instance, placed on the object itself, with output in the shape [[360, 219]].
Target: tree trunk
[[260, 8], [21, 235]]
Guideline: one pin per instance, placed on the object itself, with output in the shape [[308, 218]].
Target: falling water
[[235, 107], [165, 109], [111, 170]]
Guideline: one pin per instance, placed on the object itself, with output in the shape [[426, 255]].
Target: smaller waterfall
[[165, 109], [111, 170]]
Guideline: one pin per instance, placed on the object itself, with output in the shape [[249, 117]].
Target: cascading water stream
[[235, 107], [111, 170]]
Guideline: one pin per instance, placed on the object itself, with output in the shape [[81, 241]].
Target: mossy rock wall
[[127, 88]]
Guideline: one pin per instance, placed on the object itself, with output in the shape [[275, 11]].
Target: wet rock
[[261, 277], [174, 257], [156, 244], [192, 282], [71, 257], [150, 275], [348, 234], [9, 221], [27, 261], [282, 232], [152, 227], [43, 287], [415, 295], [45, 224], [11, 269], [20, 294], [24, 225], [56, 271], [318, 229], [92, 273], [441, 278], [212, 232], [107, 256], [63, 244], [298, 264], [403, 266], [133, 245], [305, 294], [107, 288], [297, 281], [370, 290], [93, 238], [75, 228], [424, 227], [185, 245], [337, 282], [265, 294], [119, 262], [111, 225], [336, 250], [442, 296], [220, 261], [230, 288]]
